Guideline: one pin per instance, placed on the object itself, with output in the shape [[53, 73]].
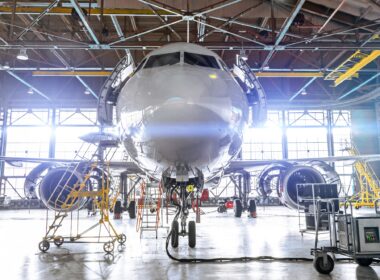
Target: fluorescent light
[[303, 92], [22, 55], [30, 91], [87, 91]]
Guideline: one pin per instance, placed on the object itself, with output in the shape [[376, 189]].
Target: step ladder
[[149, 208], [88, 167], [368, 182]]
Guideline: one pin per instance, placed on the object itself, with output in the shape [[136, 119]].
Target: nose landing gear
[[180, 226]]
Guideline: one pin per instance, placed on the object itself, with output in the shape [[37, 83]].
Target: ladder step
[[55, 226]]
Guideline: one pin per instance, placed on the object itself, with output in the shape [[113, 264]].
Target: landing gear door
[[111, 89], [255, 92]]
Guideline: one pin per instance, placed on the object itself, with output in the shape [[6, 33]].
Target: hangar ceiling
[[292, 45]]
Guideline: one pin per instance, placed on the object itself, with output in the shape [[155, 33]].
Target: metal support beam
[[83, 18], [87, 86], [231, 33], [329, 18], [204, 35], [52, 139], [283, 31], [119, 31], [146, 32], [330, 135], [28, 84], [102, 73], [284, 136], [165, 22], [213, 9], [4, 10], [117, 26], [37, 19], [359, 86], [303, 88], [3, 145]]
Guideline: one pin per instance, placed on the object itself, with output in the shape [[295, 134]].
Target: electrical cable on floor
[[243, 259]]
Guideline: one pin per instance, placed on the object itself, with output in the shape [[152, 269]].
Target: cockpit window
[[140, 65], [162, 60], [200, 60], [224, 66]]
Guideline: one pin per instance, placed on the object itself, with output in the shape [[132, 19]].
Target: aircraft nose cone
[[182, 132]]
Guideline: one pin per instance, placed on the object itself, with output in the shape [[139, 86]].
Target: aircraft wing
[[237, 165], [15, 161]]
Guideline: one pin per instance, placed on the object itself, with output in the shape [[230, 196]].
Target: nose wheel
[[175, 234], [192, 234]]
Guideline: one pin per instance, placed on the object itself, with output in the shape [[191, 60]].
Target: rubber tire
[[251, 205], [363, 261], [58, 241], [318, 265], [175, 234], [132, 209], [44, 246], [192, 234], [238, 208]]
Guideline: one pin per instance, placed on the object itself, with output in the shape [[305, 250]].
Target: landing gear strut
[[180, 227]]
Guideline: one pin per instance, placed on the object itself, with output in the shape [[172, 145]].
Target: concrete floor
[[273, 233]]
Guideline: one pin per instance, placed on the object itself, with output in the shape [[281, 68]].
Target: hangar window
[[162, 60], [201, 60]]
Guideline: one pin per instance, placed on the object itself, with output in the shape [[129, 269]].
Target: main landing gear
[[179, 196], [237, 205]]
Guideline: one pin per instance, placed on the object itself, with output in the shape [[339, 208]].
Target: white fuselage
[[182, 115]]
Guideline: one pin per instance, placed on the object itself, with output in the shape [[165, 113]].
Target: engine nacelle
[[285, 177], [56, 186]]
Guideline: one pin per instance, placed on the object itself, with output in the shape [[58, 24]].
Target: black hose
[[243, 259]]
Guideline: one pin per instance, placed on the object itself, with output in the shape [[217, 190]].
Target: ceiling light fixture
[[6, 66], [303, 92], [30, 91], [87, 91], [22, 55]]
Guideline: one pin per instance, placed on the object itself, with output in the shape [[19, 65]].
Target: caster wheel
[[192, 234], [238, 208], [58, 241], [175, 234], [108, 247], [44, 246], [321, 267], [363, 262], [122, 238]]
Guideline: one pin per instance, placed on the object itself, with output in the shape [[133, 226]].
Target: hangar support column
[[365, 132], [3, 143]]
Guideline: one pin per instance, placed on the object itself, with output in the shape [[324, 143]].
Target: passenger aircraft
[[181, 114]]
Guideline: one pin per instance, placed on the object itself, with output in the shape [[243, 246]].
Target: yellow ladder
[[368, 181]]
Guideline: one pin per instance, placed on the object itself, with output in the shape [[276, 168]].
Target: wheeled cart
[[352, 234]]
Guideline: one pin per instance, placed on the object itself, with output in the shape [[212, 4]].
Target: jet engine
[[52, 183], [284, 177], [56, 186]]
